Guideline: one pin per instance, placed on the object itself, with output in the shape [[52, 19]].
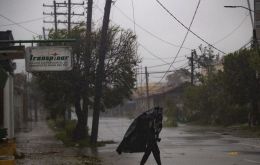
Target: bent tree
[[70, 87]]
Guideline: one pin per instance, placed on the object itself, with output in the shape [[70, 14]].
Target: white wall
[[8, 107]]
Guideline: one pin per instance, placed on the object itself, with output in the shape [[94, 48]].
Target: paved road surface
[[42, 148], [184, 145]]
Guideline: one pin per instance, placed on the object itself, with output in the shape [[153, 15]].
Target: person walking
[[143, 135], [155, 127]]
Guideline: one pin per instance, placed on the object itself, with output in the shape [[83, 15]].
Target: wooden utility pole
[[55, 16], [43, 33], [192, 66], [100, 73], [55, 13], [147, 87], [69, 15], [87, 61]]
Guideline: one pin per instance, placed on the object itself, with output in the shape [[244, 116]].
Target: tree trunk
[[85, 110], [80, 130]]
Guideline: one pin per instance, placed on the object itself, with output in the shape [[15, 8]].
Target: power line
[[188, 30], [165, 58], [230, 33], [151, 53], [184, 66], [148, 32], [187, 27], [17, 24], [147, 50], [245, 45], [27, 21], [155, 66]]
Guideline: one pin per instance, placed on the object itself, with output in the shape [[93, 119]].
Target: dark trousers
[[152, 147]]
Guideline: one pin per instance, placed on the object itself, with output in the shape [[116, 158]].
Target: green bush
[[171, 114]]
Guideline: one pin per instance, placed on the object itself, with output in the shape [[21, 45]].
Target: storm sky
[[158, 33]]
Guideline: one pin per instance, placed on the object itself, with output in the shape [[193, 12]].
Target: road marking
[[251, 161]]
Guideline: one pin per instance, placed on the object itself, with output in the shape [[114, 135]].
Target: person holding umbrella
[[143, 135]]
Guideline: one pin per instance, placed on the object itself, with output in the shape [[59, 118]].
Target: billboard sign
[[48, 58]]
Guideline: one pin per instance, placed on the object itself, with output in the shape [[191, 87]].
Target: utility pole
[[255, 42], [147, 88], [55, 13], [100, 73], [88, 49], [192, 66], [69, 15], [55, 16], [43, 33], [191, 59]]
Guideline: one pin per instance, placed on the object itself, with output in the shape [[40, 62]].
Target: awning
[[12, 52]]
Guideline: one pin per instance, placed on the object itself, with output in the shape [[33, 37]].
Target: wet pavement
[[42, 148], [184, 145]]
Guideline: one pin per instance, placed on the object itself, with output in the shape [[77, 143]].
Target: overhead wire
[[148, 32], [155, 66], [218, 41], [188, 28], [147, 50], [26, 21], [17, 24], [230, 33], [165, 58], [245, 45], [186, 35], [151, 53]]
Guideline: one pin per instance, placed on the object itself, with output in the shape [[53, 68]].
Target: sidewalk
[[42, 148]]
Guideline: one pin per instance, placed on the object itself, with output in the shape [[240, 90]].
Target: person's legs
[[146, 155], [156, 153]]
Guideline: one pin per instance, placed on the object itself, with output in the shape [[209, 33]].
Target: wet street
[[40, 147], [184, 145]]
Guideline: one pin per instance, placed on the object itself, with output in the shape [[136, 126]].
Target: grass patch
[[90, 160], [170, 123], [245, 131], [239, 130], [64, 131]]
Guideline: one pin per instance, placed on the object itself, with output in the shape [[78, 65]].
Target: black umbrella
[[137, 135]]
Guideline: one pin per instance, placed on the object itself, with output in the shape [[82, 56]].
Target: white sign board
[[48, 58]]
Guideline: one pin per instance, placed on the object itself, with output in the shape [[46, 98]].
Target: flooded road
[[184, 145]]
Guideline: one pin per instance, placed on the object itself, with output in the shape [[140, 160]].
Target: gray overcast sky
[[213, 22]]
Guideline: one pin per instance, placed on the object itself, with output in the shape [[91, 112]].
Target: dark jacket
[[143, 129]]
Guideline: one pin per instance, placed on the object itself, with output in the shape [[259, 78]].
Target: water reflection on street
[[184, 145]]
